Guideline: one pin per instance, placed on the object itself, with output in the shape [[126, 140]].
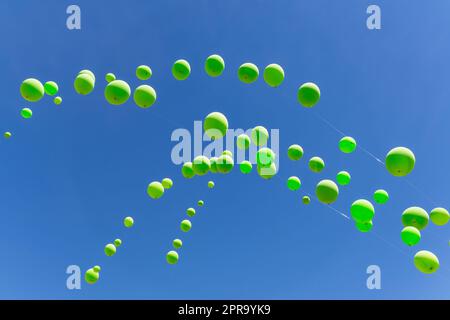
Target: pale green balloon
[[274, 75], [26, 113], [185, 225], [144, 96], [91, 276], [187, 170], [347, 144], [211, 184], [248, 72], [439, 216], [362, 211], [84, 84], [410, 236], [227, 153], [293, 183], [327, 191], [117, 242], [343, 178], [7, 135], [143, 72], [225, 163], [295, 152], [51, 88], [110, 77], [128, 222], [201, 165], [308, 94], [243, 141], [181, 69], [265, 157], [213, 161], [172, 257], [400, 161], [316, 164], [190, 212], [245, 167], [215, 125], [415, 217], [58, 100], [267, 172], [167, 183], [32, 90], [364, 226], [306, 200], [260, 135], [89, 72], [155, 190], [380, 196], [426, 262], [200, 203], [117, 92], [110, 249], [214, 65], [177, 244]]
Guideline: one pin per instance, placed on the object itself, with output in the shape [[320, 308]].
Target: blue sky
[[71, 173]]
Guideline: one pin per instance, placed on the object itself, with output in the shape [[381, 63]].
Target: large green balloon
[[316, 164], [245, 167], [327, 191], [248, 73], [110, 249], [265, 157], [215, 125], [185, 225], [26, 113], [32, 90], [308, 94], [347, 144], [110, 77], [410, 236], [144, 96], [294, 183], [213, 161], [57, 100], [225, 163], [172, 257], [51, 88], [187, 170], [380, 196], [117, 242], [167, 183], [362, 211], [155, 190], [343, 178], [214, 65], [295, 152], [91, 276], [415, 217], [306, 200], [426, 262], [260, 135], [201, 165], [364, 226], [273, 75], [177, 243], [439, 216], [128, 222], [267, 172], [190, 212], [117, 92], [143, 72], [7, 135], [243, 141], [181, 69], [400, 161], [84, 84]]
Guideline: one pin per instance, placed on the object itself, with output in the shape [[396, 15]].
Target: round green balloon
[[143, 72], [213, 161], [187, 170], [260, 135], [201, 165], [32, 90], [347, 144], [144, 96], [225, 163], [214, 65], [211, 184], [327, 191], [410, 236], [439, 216], [400, 161], [128, 222], [97, 268], [274, 75], [7, 135], [190, 212], [267, 172], [227, 153], [295, 152], [117, 242], [155, 190], [110, 77], [316, 164], [364, 226], [167, 183], [91, 276], [380, 196], [245, 167], [51, 88], [57, 100], [88, 72], [343, 178], [248, 73], [110, 249], [177, 244], [181, 69], [84, 84], [265, 157], [308, 94], [294, 183], [200, 203], [415, 217], [362, 211], [215, 125], [243, 141], [426, 262], [26, 113], [172, 257], [306, 200], [185, 225], [117, 92]]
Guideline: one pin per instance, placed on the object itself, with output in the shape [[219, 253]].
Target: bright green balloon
[[117, 242], [439, 216], [155, 190], [26, 113], [89, 72], [181, 69], [225, 163], [267, 172], [200, 203], [177, 243], [7, 135], [167, 183], [144, 96], [308, 94], [294, 183], [274, 75], [362, 211], [248, 73], [410, 236], [364, 226], [306, 200], [343, 178], [185, 225], [143, 72], [128, 222], [214, 65], [426, 262], [110, 249], [32, 90], [51, 88], [84, 84], [172, 257], [97, 268], [243, 141], [245, 167], [227, 153], [57, 100], [295, 152], [400, 161], [190, 212], [316, 164], [213, 161], [110, 77], [260, 135], [347, 144], [381, 196], [415, 217], [187, 170], [327, 191], [91, 276], [211, 184], [215, 125], [201, 165], [265, 157], [117, 92]]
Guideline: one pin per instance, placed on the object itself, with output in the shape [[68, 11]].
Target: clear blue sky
[[71, 173]]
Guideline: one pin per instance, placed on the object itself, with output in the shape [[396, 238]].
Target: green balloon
[[57, 100], [347, 144], [260, 135], [400, 161], [190, 212], [200, 203], [227, 153], [128, 222], [293, 183], [172, 257], [89, 72], [364, 226], [155, 190], [185, 225], [117, 92], [26, 113], [187, 170], [110, 249], [91, 276], [327, 191], [343, 178], [144, 96], [274, 75], [117, 242], [306, 200], [215, 125], [410, 236], [362, 211], [265, 157], [214, 65], [143, 72], [84, 84], [245, 167], [248, 72], [243, 141], [225, 163], [381, 196], [426, 262], [32, 90], [181, 69], [51, 88], [110, 77], [308, 94], [295, 152], [97, 268], [415, 217], [167, 183], [213, 161], [201, 165], [439, 216], [7, 135], [211, 184], [316, 164], [267, 172], [177, 244]]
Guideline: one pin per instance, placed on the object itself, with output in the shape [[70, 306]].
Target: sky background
[[71, 173]]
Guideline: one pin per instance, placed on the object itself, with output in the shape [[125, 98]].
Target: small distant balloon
[[201, 165], [306, 200], [410, 236], [380, 196], [185, 225], [117, 92], [181, 69], [51, 88], [308, 94], [110, 77], [155, 190], [143, 72], [260, 135], [190, 212], [293, 183], [92, 275], [167, 183], [7, 135], [327, 191], [200, 203], [439, 216], [243, 141], [32, 90], [295, 152], [415, 217], [144, 96], [400, 161], [274, 75], [84, 83], [177, 244], [110, 249], [267, 172], [26, 113], [214, 65], [211, 184], [426, 262], [58, 100], [248, 72], [225, 163], [117, 242], [364, 226], [343, 178], [347, 145], [362, 211], [128, 222], [245, 167], [316, 164], [187, 170], [215, 125]]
